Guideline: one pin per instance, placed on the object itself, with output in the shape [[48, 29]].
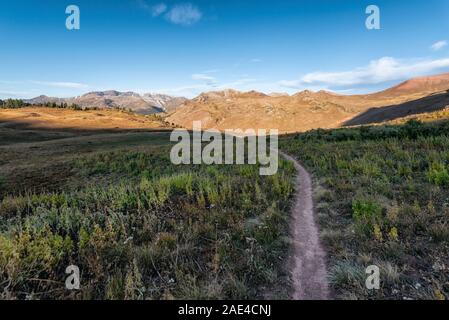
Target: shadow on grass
[[431, 103]]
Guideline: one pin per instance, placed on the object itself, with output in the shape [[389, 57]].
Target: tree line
[[18, 103], [12, 104]]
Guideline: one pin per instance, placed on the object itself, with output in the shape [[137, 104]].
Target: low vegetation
[[382, 199], [142, 228]]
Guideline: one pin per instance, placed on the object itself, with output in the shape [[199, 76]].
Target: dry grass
[[54, 119]]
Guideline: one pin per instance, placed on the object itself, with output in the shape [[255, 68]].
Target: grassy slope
[[441, 115], [382, 198], [36, 124], [137, 226]]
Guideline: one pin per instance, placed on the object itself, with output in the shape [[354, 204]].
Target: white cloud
[[238, 83], [155, 10], [158, 9], [439, 45], [202, 76], [377, 72], [208, 80], [184, 14], [256, 60], [186, 91], [69, 85], [191, 91]]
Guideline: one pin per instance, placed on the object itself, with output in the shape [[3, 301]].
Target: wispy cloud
[[439, 45], [256, 60], [376, 72], [202, 76], [191, 91], [69, 85], [209, 80], [184, 14], [155, 10], [158, 9], [236, 84]]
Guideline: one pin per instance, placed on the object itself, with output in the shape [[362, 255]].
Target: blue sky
[[187, 47]]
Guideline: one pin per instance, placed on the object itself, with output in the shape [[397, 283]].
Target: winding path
[[308, 265]]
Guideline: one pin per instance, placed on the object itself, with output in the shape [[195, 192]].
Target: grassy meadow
[[137, 226], [382, 198]]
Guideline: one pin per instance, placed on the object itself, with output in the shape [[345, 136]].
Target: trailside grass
[[138, 227], [382, 198]]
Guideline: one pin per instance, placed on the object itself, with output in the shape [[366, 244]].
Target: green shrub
[[32, 252], [412, 128], [438, 174], [367, 214]]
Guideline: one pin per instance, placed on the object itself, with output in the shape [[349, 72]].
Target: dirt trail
[[308, 263]]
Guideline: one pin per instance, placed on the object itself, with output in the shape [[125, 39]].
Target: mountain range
[[305, 110], [142, 104], [308, 110]]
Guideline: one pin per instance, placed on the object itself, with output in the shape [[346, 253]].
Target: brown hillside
[[307, 110]]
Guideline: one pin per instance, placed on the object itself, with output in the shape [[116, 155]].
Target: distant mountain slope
[[232, 109], [422, 84], [166, 102], [142, 104], [412, 97], [44, 99], [307, 110]]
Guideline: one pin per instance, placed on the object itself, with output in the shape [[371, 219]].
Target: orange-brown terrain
[[34, 139], [307, 110], [32, 124], [54, 118]]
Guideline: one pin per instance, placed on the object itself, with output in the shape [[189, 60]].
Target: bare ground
[[308, 265]]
